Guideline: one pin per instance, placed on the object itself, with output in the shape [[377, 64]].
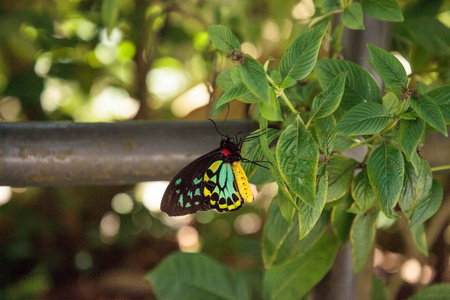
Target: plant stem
[[286, 100], [367, 141], [337, 45], [440, 168]]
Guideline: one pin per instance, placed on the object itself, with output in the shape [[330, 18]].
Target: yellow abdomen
[[242, 182]]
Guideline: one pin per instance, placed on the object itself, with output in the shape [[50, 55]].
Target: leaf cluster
[[318, 185]]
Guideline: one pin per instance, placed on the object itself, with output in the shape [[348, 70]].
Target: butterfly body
[[214, 180]]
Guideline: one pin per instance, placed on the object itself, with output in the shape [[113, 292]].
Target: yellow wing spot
[[242, 182], [206, 192], [205, 178], [215, 165]]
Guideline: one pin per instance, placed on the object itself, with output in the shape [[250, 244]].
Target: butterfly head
[[230, 149]]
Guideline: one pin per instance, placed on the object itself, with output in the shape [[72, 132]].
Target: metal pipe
[[39, 154]]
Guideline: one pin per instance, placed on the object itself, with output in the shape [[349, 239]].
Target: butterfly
[[214, 180]]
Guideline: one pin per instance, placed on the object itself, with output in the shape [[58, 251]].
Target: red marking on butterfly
[[226, 152]]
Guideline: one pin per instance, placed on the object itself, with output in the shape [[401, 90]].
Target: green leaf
[[272, 111], [196, 276], [286, 208], [328, 101], [341, 170], [276, 76], [301, 56], [434, 292], [324, 131], [295, 279], [393, 105], [329, 5], [223, 38], [411, 132], [231, 78], [254, 78], [427, 208], [416, 184], [379, 289], [408, 195], [428, 110], [298, 156], [341, 220], [388, 67], [252, 151], [275, 232], [292, 248], [310, 215], [353, 16], [225, 81], [288, 82], [362, 236], [342, 143], [275, 171], [418, 234], [386, 10], [429, 32], [362, 191], [233, 93], [386, 169], [307, 160], [364, 118], [442, 97], [110, 13], [359, 84]]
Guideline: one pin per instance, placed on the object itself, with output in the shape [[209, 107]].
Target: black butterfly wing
[[185, 193]]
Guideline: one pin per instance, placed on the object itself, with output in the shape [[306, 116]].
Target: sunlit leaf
[[231, 94], [254, 78], [388, 67], [301, 56], [272, 111], [353, 16], [223, 38]]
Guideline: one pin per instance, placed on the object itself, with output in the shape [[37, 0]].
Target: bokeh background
[[118, 60]]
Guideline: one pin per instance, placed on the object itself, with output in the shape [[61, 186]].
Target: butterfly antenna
[[215, 125], [228, 111], [257, 162], [255, 135]]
